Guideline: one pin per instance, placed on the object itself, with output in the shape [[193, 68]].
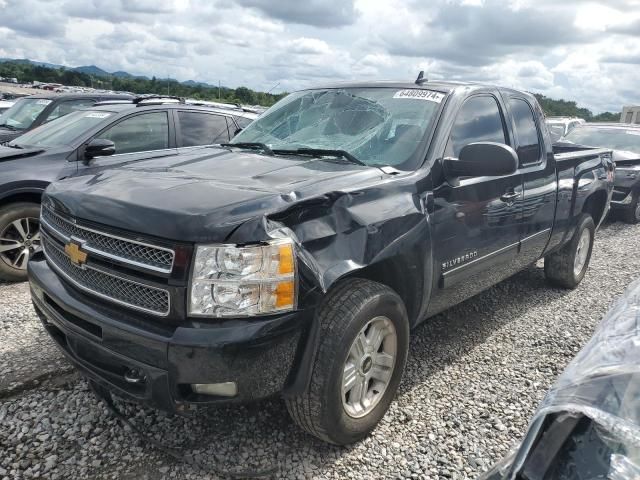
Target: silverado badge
[[77, 256]]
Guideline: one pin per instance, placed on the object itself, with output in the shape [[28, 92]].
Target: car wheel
[[567, 267], [631, 213], [362, 351], [19, 239]]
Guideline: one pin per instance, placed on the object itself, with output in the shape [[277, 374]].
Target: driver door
[[136, 137], [476, 219]]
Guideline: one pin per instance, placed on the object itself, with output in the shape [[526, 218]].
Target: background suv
[[30, 112], [103, 136]]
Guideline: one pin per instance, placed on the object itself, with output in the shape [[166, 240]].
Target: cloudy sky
[[571, 49]]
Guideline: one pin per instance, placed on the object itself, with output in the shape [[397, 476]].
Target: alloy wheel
[[18, 241], [582, 252], [369, 367]]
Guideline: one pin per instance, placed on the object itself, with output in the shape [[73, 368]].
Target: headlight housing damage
[[237, 281]]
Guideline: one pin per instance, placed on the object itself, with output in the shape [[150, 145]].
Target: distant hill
[[193, 83], [88, 69], [26, 71], [92, 70], [32, 62]]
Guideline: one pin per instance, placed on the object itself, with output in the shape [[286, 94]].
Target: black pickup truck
[[297, 259]]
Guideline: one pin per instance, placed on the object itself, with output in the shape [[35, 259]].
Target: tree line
[[28, 72], [564, 108]]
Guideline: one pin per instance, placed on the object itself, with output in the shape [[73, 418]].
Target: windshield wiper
[[13, 145], [250, 145], [10, 127], [322, 152]]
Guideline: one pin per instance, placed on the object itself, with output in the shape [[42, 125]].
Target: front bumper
[[105, 343]]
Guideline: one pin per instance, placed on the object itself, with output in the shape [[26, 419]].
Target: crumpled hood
[[200, 196]]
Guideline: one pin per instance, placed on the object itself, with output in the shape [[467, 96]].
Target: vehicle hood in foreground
[[202, 195], [7, 134], [588, 425], [7, 153]]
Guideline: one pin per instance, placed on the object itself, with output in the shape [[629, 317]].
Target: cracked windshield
[[377, 126]]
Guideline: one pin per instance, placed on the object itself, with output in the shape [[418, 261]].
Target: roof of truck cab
[[443, 86]]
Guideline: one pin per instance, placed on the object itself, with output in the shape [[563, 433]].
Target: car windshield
[[23, 113], [627, 139], [63, 130], [377, 126]]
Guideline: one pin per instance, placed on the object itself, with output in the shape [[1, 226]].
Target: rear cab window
[[526, 132]]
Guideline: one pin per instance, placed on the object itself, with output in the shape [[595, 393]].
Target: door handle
[[509, 197]]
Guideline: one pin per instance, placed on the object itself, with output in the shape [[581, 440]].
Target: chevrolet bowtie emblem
[[77, 256]]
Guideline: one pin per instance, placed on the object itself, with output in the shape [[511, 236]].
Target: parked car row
[[295, 258], [93, 136]]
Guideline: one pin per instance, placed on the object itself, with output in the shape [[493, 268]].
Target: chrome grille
[[129, 251], [105, 285]]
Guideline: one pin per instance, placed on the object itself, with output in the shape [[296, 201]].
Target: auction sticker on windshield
[[43, 102], [96, 115], [416, 94]]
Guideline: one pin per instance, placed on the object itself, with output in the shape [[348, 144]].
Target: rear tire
[[355, 313], [631, 213], [567, 267], [19, 239]]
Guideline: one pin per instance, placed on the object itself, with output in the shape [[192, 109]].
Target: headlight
[[232, 281]]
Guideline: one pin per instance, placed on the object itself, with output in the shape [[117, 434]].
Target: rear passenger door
[[196, 128], [539, 177], [476, 219]]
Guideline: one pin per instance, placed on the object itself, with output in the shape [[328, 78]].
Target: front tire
[[19, 239], [567, 267], [362, 351]]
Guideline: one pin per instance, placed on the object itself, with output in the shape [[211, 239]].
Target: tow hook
[[134, 376]]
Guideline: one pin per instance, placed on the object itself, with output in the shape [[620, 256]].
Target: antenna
[[421, 78]]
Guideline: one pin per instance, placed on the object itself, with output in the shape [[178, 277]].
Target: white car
[[560, 126], [5, 105]]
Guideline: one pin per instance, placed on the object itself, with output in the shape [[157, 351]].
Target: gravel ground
[[474, 377]]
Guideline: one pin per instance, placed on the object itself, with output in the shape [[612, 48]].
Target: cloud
[[27, 17], [319, 13], [575, 49], [479, 34]]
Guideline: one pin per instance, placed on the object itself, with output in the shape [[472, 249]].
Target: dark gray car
[[30, 112], [624, 140], [103, 136]]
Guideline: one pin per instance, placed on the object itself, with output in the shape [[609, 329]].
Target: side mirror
[[482, 159], [99, 147]]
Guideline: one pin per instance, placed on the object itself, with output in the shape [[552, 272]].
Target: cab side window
[[529, 150], [140, 133], [479, 120], [202, 128]]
